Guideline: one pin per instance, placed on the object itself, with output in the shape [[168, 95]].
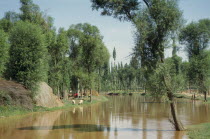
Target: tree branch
[[146, 2]]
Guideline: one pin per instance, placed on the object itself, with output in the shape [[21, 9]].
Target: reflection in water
[[122, 117], [86, 128]]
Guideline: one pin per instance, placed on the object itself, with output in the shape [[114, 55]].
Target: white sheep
[[73, 102], [81, 102]]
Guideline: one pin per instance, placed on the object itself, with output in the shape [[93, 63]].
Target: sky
[[116, 34]]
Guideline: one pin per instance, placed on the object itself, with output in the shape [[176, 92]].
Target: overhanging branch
[[146, 2]]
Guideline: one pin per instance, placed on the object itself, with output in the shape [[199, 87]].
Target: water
[[123, 117]]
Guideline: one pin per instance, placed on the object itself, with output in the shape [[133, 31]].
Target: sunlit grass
[[201, 131], [12, 110]]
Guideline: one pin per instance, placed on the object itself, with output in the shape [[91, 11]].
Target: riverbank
[[200, 131], [122, 92], [189, 96], [10, 110]]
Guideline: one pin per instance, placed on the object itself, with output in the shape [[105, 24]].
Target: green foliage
[[120, 9], [154, 26], [30, 12], [59, 73], [27, 64], [196, 37], [87, 52], [4, 51], [157, 84], [122, 77]]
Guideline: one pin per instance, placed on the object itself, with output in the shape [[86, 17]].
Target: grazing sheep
[[73, 102], [81, 101]]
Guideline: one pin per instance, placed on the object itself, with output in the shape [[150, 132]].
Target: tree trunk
[[99, 80], [85, 92], [99, 85], [189, 87], [78, 88], [58, 92], [90, 95], [81, 92], [145, 90], [177, 123], [205, 96]]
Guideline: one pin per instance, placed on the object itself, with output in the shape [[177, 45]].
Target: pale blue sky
[[116, 34]]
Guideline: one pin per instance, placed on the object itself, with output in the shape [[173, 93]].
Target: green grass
[[178, 95], [10, 110], [201, 131]]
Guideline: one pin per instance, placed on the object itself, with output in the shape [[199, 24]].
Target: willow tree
[[155, 22]]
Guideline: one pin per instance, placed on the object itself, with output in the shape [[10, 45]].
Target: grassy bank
[[180, 95], [10, 110], [201, 131], [125, 92]]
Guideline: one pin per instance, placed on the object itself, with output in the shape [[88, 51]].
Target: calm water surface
[[123, 117]]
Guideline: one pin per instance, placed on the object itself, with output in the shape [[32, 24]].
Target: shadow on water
[[161, 102], [87, 128]]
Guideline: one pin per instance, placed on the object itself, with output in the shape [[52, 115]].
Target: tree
[[87, 52], [4, 51], [8, 21], [31, 12], [27, 63], [161, 18], [59, 74], [196, 37]]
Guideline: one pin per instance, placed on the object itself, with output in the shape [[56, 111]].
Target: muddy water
[[120, 118]]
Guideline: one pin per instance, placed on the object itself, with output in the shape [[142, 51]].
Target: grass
[[201, 131], [10, 110], [178, 95]]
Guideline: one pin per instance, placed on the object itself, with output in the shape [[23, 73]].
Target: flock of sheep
[[80, 101]]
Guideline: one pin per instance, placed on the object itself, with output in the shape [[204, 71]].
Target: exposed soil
[[15, 94], [45, 97]]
